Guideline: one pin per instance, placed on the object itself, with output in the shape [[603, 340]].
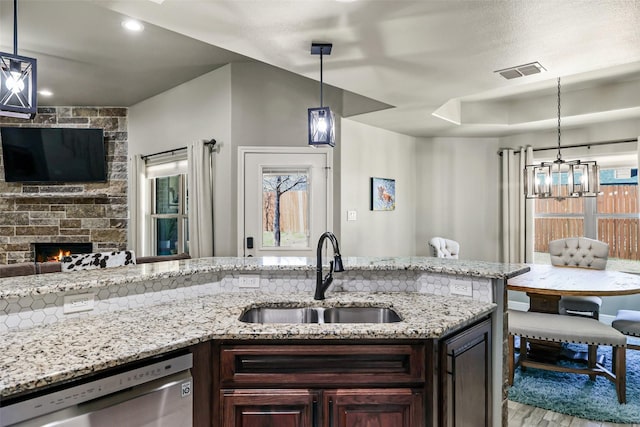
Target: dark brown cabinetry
[[263, 408], [373, 407], [417, 383], [321, 384], [465, 378]]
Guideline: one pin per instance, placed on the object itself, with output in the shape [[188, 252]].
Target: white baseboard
[[523, 306]]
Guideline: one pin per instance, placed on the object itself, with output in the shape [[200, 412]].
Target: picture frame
[[382, 194]]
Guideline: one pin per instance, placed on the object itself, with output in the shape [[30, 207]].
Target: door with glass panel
[[285, 202]]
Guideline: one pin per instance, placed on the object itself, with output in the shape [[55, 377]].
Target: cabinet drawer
[[318, 365]]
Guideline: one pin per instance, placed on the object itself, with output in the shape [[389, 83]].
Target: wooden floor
[[529, 416]]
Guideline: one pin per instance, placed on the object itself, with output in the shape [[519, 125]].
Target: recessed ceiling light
[[133, 25], [45, 92]]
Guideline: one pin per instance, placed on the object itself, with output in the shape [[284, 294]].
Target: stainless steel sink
[[320, 315], [280, 315], [360, 315]]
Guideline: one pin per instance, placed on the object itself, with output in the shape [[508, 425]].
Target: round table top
[[551, 280]]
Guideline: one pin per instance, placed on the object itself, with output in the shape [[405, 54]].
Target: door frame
[[242, 151]]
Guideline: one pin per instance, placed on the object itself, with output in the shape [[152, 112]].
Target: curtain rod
[[210, 143], [588, 145]]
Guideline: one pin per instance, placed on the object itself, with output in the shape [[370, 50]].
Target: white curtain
[[200, 182], [517, 212], [136, 204]]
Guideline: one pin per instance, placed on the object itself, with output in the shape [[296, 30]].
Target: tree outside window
[[285, 209]]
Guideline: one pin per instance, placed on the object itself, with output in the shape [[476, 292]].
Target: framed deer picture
[[383, 194]]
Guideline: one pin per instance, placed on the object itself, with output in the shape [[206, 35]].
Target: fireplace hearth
[[52, 252]]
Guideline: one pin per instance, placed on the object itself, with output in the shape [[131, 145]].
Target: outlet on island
[[76, 303], [461, 287], [249, 281]]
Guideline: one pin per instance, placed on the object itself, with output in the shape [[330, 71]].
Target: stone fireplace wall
[[93, 212]]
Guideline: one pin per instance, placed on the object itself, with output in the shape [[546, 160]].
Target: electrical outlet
[[76, 303], [461, 287], [249, 281], [352, 215]]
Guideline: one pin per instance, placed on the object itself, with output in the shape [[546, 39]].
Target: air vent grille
[[521, 70]]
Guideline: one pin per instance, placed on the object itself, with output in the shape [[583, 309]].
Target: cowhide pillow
[[97, 260]]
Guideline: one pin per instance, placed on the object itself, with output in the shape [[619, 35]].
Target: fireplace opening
[[53, 252]]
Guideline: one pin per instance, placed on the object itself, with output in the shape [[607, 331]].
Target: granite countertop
[[44, 355], [59, 282]]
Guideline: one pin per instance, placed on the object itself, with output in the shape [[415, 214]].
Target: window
[[167, 224], [169, 217], [285, 208], [612, 217]]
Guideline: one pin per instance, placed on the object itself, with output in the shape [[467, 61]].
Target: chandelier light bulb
[[322, 125], [14, 82]]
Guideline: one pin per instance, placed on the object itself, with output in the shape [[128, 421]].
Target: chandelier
[[17, 79], [561, 179]]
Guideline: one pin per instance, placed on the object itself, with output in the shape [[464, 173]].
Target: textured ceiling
[[419, 56]]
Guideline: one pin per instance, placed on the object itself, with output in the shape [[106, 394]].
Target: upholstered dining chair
[[580, 252], [628, 322], [444, 248]]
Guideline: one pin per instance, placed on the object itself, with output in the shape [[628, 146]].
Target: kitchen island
[[146, 310]]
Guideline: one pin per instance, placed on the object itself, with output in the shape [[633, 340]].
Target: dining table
[[546, 284]]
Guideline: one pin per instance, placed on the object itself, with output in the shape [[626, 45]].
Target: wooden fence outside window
[[617, 220]]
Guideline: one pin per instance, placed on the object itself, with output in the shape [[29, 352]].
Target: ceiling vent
[[521, 70]]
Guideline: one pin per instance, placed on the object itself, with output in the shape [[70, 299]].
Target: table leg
[[544, 303]]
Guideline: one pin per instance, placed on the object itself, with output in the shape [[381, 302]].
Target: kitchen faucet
[[335, 265]]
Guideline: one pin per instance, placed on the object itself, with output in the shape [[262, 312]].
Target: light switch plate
[[352, 215], [79, 302], [249, 281], [461, 287]]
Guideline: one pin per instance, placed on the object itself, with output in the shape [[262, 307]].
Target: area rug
[[576, 395]]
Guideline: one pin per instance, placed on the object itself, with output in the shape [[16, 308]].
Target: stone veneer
[[92, 212]]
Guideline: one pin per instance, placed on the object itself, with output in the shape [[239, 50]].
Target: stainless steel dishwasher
[[158, 394]]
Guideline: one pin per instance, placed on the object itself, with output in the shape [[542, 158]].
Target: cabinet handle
[[330, 412], [314, 413]]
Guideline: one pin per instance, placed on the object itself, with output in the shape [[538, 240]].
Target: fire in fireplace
[[52, 252]]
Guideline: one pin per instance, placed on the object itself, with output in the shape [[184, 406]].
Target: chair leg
[[512, 358], [524, 347], [620, 356], [592, 360]]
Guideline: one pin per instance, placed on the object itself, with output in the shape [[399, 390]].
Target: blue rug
[[576, 395]]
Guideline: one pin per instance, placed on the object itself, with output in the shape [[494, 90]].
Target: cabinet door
[[269, 408], [465, 378], [373, 408]]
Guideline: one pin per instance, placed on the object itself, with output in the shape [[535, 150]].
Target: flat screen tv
[[53, 155]]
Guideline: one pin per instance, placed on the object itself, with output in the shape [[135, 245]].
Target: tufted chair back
[[579, 252], [444, 248]]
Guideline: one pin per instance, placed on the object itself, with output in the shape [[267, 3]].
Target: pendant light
[[562, 179], [17, 79], [321, 120]]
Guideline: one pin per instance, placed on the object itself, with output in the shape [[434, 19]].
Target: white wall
[[372, 152], [241, 104], [457, 195], [198, 109], [269, 108]]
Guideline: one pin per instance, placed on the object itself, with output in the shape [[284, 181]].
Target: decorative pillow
[[98, 260]]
